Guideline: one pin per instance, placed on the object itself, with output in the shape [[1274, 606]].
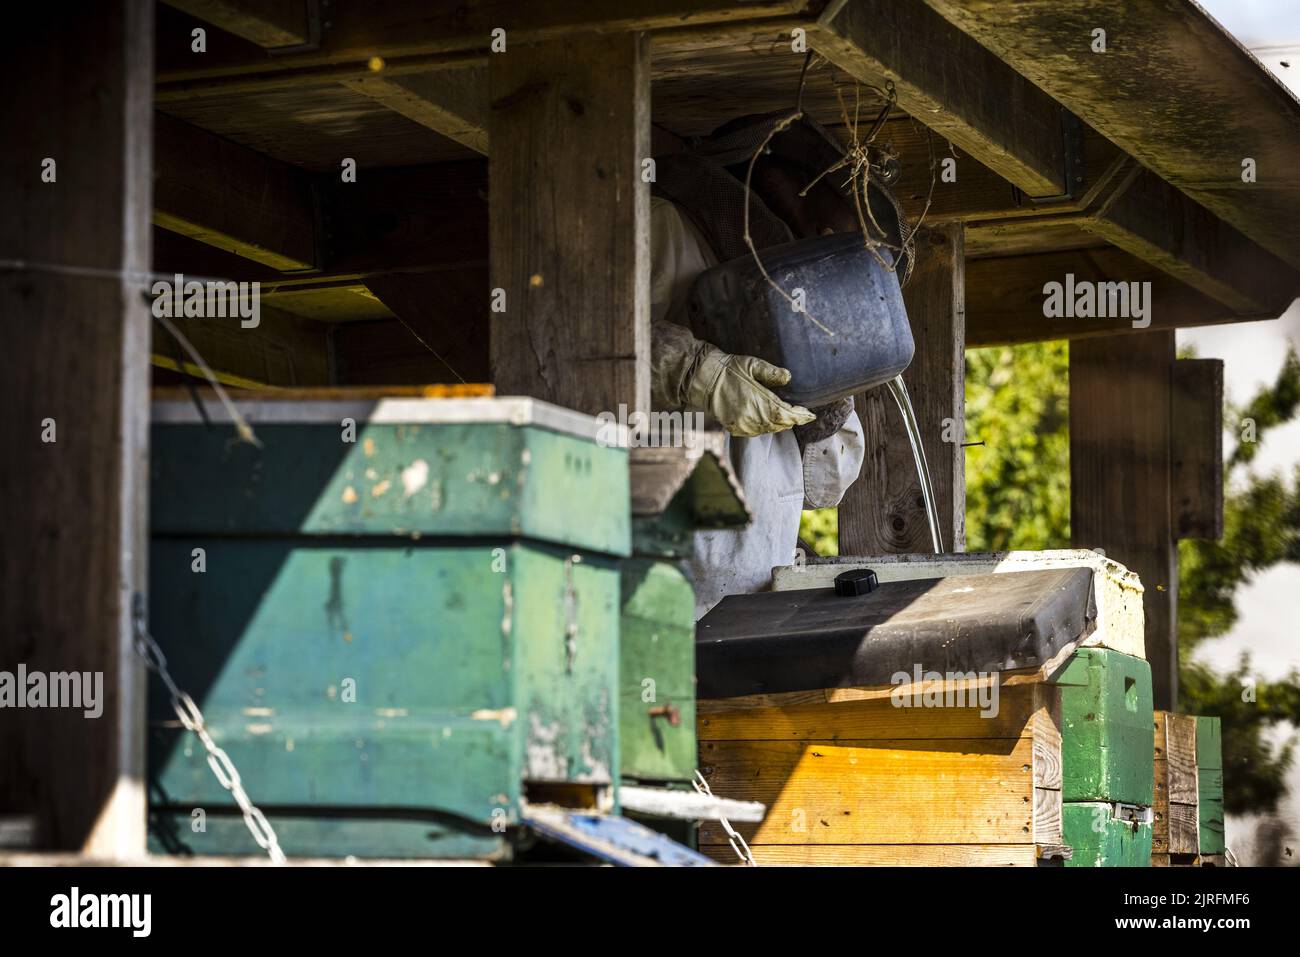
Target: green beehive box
[[1209, 785], [1106, 719], [396, 639], [1098, 838], [675, 490]]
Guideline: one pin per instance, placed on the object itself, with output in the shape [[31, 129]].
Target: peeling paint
[[392, 712], [414, 477], [504, 715], [259, 712], [257, 728], [380, 489], [542, 758], [349, 495], [368, 446]]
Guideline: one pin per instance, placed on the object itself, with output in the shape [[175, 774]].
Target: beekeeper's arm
[[686, 373]]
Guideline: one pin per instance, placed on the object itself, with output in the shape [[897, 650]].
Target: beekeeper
[[787, 458]]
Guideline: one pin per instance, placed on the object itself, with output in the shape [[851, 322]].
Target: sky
[[1253, 354]]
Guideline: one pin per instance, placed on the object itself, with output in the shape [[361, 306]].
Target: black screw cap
[[859, 581]]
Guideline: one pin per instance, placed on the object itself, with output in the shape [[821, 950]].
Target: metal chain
[[743, 852], [191, 718]]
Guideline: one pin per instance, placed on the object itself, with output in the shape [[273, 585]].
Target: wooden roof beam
[[268, 23], [453, 103], [1005, 297], [1172, 89], [1155, 222], [397, 29], [231, 197], [951, 84], [1120, 203]]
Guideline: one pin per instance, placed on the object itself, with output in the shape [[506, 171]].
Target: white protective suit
[[778, 480]]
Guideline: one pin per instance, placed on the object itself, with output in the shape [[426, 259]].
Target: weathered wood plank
[[1172, 89], [232, 198], [417, 28], [1155, 222], [865, 719], [883, 511], [944, 76], [1180, 755], [1005, 297], [451, 102], [268, 23], [571, 121], [76, 360], [877, 792], [1120, 468], [1045, 728], [1197, 441]]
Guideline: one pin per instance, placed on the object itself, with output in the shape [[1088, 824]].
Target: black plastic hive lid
[[801, 640], [845, 288]]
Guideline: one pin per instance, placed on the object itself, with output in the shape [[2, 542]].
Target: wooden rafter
[[1172, 89]]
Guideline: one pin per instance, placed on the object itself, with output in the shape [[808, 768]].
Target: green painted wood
[[464, 479], [1106, 721], [173, 831], [657, 671], [475, 667], [1099, 840], [1209, 787]]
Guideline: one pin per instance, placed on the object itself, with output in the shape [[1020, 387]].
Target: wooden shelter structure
[[456, 191]]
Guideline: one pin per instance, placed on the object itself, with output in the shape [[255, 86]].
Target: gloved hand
[[735, 390]]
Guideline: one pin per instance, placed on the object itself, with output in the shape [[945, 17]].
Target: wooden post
[[569, 126], [883, 512], [75, 367], [1121, 466]]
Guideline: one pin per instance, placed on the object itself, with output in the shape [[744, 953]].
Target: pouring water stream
[[899, 392]]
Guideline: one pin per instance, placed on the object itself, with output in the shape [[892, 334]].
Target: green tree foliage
[[1261, 528], [1017, 496], [820, 528], [1018, 480]]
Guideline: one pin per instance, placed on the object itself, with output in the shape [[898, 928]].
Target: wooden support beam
[[1155, 222], [1197, 437], [1005, 296], [946, 78], [268, 23], [231, 197], [450, 102], [570, 222], [1121, 467], [408, 30], [74, 489], [1172, 89], [1119, 202], [883, 511]]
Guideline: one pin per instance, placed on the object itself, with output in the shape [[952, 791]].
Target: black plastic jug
[[841, 284]]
